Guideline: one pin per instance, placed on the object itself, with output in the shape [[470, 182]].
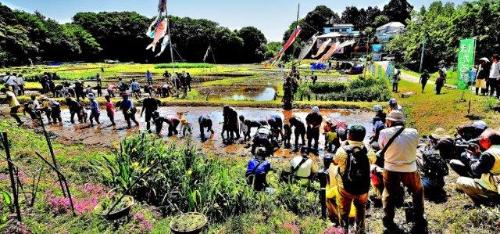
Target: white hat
[[484, 59], [396, 116], [315, 109]]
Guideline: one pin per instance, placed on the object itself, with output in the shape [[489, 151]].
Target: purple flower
[[144, 224]]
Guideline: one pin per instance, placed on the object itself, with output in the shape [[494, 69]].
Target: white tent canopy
[[391, 28]]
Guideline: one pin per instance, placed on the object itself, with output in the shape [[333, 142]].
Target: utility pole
[[422, 55]]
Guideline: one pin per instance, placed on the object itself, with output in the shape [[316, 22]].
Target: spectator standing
[[423, 79], [400, 167], [482, 76], [494, 77], [353, 161], [440, 81], [396, 77]]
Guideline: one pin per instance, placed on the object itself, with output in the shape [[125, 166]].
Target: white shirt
[[401, 155], [11, 80], [20, 80], [495, 71], [305, 169]]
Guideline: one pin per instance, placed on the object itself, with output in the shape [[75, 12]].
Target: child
[[185, 125], [331, 139], [56, 112], [110, 109], [94, 110]]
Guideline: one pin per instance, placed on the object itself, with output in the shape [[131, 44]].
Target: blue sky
[[271, 16]]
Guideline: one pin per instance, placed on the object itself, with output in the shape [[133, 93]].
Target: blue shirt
[[94, 106], [263, 168], [126, 105], [135, 86]]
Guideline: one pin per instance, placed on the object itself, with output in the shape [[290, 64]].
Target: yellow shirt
[[340, 161], [13, 102]]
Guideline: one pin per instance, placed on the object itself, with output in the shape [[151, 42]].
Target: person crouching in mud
[[76, 108], [246, 126], [173, 122], [205, 123], [230, 126], [299, 131], [264, 138], [276, 124]]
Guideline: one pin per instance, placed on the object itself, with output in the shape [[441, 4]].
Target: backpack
[[432, 165], [356, 177]]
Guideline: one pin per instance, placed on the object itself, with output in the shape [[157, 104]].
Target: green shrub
[[184, 180], [322, 88]]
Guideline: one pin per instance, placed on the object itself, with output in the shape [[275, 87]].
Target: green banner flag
[[466, 54]]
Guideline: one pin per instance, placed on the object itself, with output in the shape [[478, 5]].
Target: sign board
[[466, 54]]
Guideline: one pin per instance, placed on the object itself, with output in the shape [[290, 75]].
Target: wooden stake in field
[[51, 150], [13, 183]]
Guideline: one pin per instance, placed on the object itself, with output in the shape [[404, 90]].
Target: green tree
[[398, 10], [254, 43]]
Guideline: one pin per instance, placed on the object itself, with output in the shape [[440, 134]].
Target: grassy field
[[291, 209]]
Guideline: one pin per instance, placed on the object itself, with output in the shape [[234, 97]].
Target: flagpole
[[297, 22]]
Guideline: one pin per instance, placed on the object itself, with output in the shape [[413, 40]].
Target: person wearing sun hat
[[482, 75], [400, 166], [444, 143]]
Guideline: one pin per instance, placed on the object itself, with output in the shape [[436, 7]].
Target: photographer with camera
[[485, 188]]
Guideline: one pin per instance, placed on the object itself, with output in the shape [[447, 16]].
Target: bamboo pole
[[11, 175]]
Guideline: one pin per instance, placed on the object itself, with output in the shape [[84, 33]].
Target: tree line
[[440, 26], [27, 37]]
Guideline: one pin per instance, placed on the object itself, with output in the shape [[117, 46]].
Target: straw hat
[[396, 116]]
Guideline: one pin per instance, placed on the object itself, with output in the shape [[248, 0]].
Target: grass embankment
[[429, 111], [451, 76]]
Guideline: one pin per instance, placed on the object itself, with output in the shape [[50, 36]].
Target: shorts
[[481, 83]]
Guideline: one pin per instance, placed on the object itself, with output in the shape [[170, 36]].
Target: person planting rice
[[246, 126], [56, 112], [136, 89], [332, 141], [128, 109], [76, 108], [110, 110], [94, 110], [276, 124], [313, 120], [230, 126], [185, 125], [205, 123], [13, 104], [149, 105], [45, 107], [299, 131], [264, 138]]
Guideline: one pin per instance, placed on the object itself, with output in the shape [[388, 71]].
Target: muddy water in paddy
[[106, 135]]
